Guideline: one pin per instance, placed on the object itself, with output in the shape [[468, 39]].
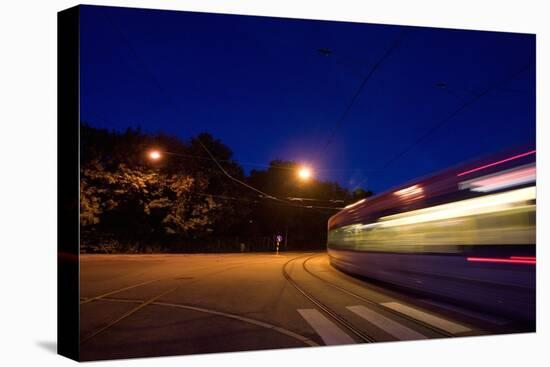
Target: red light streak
[[497, 163], [511, 260], [523, 257]]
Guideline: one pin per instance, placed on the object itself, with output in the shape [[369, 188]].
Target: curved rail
[[227, 315], [327, 310], [373, 303]]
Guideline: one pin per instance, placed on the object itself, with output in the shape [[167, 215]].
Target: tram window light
[[501, 180], [485, 204], [410, 193]]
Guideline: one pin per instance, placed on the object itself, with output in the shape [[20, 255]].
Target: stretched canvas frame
[[69, 211]]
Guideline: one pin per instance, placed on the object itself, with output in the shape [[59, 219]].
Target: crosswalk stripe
[[391, 327], [438, 322], [327, 330]]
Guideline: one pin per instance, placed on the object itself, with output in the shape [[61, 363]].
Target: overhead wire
[[455, 112], [358, 91], [167, 96], [225, 197], [271, 165]]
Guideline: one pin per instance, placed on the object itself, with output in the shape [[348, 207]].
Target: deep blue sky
[[259, 85]]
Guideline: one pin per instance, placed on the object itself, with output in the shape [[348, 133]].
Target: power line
[[463, 106], [353, 68], [274, 166], [168, 97], [270, 166], [228, 160], [375, 67], [314, 199], [159, 86], [224, 197], [233, 178]]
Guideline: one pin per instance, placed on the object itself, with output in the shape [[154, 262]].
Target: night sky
[[260, 85]]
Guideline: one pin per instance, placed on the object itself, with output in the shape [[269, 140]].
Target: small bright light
[[410, 191], [154, 155], [304, 173]]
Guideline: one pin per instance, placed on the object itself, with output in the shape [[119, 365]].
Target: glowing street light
[[155, 155], [304, 173]]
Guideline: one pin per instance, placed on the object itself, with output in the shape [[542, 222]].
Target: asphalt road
[[155, 305]]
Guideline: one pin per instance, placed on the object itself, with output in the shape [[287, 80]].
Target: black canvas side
[[68, 183]]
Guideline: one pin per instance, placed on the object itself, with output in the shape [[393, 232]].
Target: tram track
[[287, 268], [215, 312], [364, 337], [372, 303]]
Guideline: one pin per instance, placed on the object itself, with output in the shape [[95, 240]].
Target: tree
[[185, 202], [143, 206]]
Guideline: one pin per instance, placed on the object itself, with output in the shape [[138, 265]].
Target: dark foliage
[[185, 203]]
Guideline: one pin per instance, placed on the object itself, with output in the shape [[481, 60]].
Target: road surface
[[156, 305]]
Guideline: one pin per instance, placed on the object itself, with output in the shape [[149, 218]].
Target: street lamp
[[154, 155]]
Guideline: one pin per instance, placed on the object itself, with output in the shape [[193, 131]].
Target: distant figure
[[242, 247]]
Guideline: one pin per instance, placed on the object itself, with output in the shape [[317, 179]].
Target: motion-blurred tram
[[466, 235]]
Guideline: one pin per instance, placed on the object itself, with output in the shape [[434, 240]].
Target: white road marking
[[438, 322], [327, 330], [388, 325]]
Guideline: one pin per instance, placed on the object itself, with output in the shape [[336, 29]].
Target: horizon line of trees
[[184, 202]]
